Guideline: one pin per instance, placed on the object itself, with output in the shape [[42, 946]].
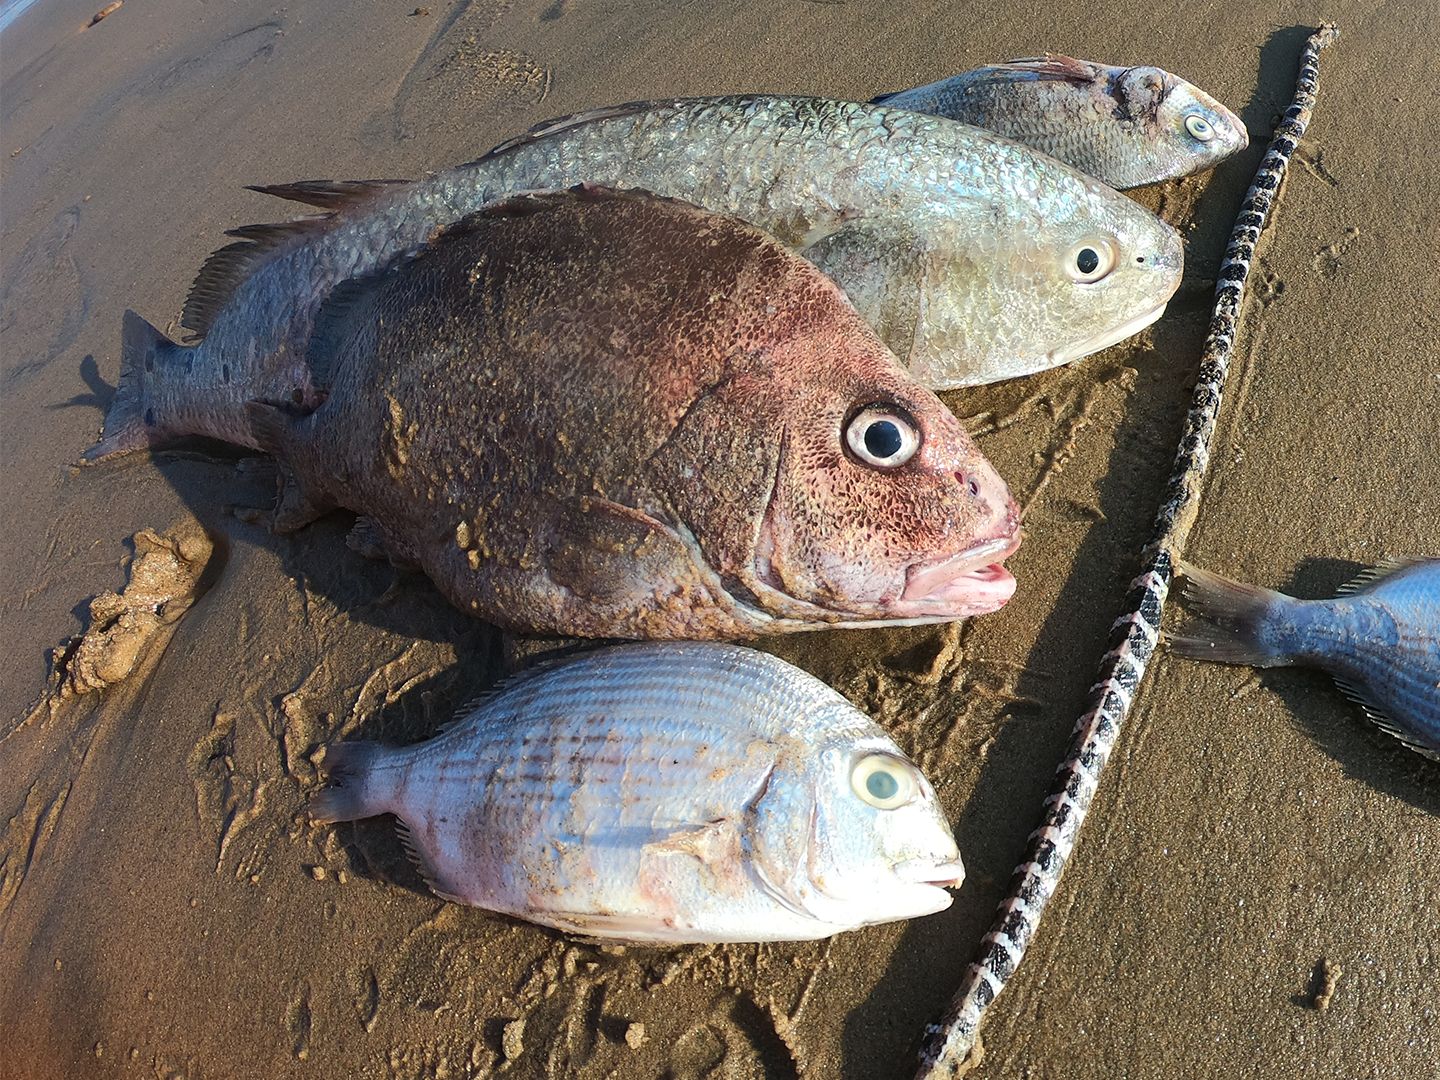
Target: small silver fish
[[663, 793], [1125, 126], [1380, 639]]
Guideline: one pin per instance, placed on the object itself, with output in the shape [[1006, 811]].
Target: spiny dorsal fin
[[1054, 67], [334, 195], [1380, 571], [226, 269], [573, 120], [511, 681], [1382, 720], [344, 307]]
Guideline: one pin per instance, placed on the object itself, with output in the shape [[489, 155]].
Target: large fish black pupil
[[882, 785], [882, 439], [1087, 260]]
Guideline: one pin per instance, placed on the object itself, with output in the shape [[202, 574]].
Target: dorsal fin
[[226, 269], [1055, 67], [346, 303], [573, 120], [1373, 575], [509, 682], [336, 195]]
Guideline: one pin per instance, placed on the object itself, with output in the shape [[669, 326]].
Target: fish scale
[[713, 800]]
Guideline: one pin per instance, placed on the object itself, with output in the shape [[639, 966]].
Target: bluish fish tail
[[1234, 625], [130, 421]]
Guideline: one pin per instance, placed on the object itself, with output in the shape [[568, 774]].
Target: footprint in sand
[[1327, 259], [464, 69], [44, 299]]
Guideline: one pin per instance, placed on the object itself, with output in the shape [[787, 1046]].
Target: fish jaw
[[973, 582], [1110, 337], [949, 874], [925, 885]]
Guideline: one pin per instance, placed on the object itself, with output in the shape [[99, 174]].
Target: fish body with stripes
[[663, 794]]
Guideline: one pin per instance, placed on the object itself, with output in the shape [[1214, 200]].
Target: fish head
[[824, 486], [882, 507], [851, 833], [1069, 267], [1185, 129]]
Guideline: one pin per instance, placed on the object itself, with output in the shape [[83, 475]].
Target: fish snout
[[1166, 254], [996, 512]]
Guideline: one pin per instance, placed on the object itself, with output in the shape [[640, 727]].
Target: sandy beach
[[168, 910]]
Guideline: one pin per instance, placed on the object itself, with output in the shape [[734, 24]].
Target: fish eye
[[1091, 261], [1199, 127], [883, 436], [884, 782]]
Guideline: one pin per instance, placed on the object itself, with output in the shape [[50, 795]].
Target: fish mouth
[[942, 875], [973, 582], [1109, 337]]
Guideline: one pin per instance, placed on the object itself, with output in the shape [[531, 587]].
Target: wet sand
[[165, 907]]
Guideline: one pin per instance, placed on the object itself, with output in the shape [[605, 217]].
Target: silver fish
[[1380, 639], [973, 257], [1126, 126], [663, 793]]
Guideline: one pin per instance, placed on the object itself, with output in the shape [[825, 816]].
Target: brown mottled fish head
[[869, 501], [1189, 129]]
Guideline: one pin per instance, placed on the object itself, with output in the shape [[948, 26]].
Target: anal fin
[[273, 430], [1382, 720], [423, 865]]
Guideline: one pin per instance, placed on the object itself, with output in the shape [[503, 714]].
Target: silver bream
[[663, 793]]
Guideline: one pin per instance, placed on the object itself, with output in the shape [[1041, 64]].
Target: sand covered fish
[[666, 793], [1380, 639], [610, 414], [1124, 125], [974, 258]]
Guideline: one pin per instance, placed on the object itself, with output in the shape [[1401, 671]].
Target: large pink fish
[[609, 414]]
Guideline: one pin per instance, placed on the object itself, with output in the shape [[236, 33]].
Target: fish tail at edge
[[354, 784], [1232, 616], [130, 420]]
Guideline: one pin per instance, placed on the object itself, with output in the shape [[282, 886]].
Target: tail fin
[[355, 784], [1234, 622], [126, 427]]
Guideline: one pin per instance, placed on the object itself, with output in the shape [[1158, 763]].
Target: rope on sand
[[1134, 636]]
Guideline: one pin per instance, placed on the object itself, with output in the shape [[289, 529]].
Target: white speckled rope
[[1133, 637]]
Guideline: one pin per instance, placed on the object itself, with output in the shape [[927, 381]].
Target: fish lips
[[943, 875], [972, 582], [925, 884]]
